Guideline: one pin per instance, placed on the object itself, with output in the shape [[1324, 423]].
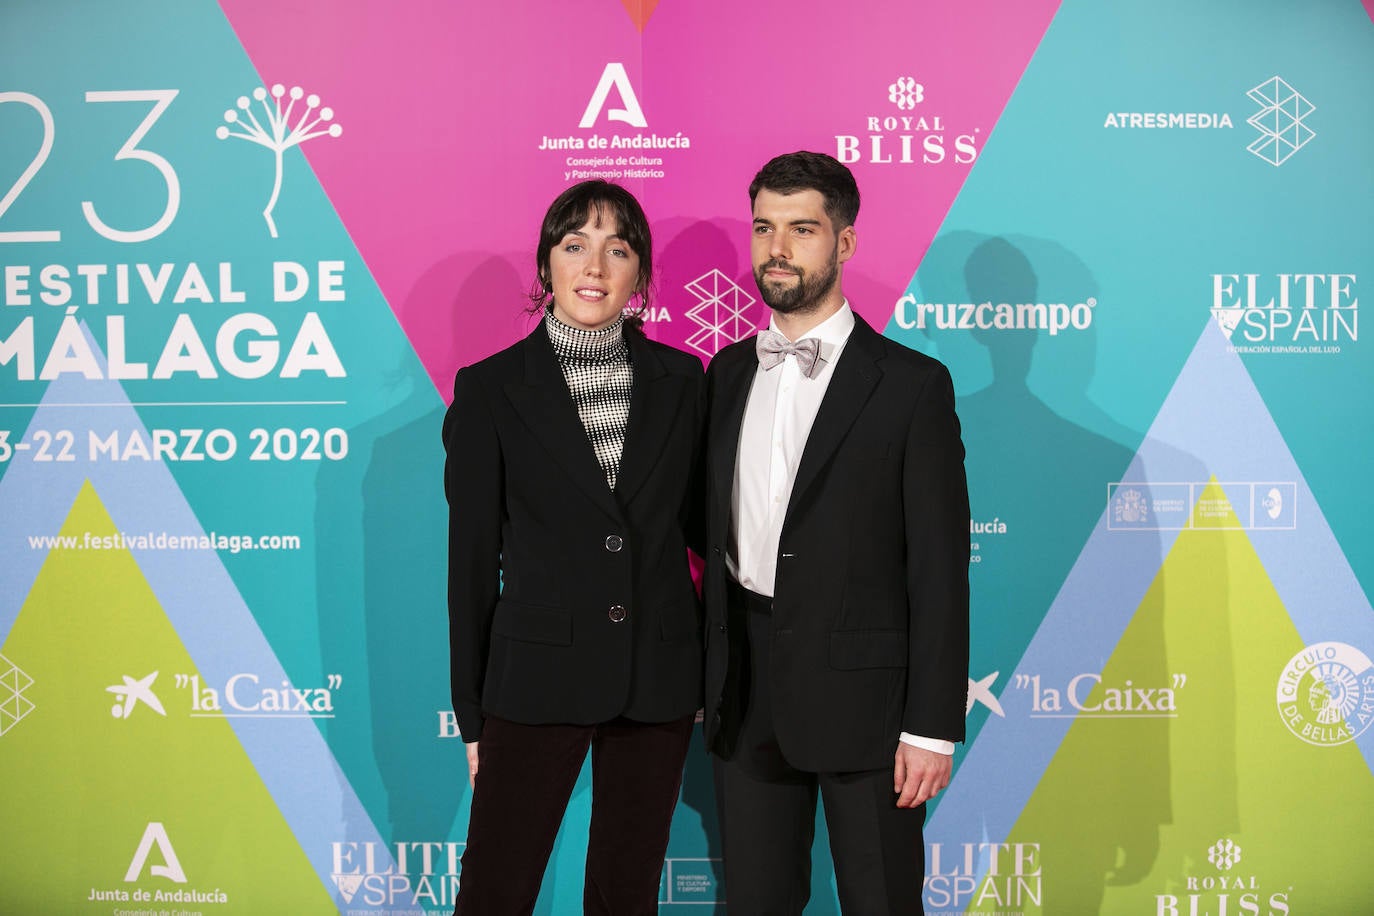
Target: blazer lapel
[[653, 411], [727, 416], [856, 375], [545, 405]]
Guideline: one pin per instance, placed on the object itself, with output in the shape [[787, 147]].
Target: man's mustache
[[778, 265]]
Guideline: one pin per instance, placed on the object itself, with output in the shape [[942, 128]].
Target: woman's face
[[593, 273]]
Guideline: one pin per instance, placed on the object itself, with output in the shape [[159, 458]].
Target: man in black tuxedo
[[836, 584]]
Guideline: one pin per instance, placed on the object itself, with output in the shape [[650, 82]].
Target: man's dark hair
[[802, 171]]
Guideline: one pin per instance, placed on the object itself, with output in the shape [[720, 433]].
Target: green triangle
[[1128, 809], [82, 785]]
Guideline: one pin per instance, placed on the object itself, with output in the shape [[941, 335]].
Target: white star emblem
[[981, 692]]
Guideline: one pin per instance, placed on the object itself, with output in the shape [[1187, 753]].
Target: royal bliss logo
[[915, 134], [1227, 892]]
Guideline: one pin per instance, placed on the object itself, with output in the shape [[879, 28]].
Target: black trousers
[[768, 810], [525, 775]]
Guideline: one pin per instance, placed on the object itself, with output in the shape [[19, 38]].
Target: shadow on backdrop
[[1041, 454], [381, 525]]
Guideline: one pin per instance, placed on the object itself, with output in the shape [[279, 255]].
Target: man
[[837, 581]]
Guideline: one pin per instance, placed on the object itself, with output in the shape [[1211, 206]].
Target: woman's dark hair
[[596, 200]]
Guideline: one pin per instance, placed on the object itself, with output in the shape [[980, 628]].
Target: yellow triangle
[[87, 768], [1207, 793]]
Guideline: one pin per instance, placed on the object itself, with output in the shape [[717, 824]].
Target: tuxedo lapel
[[654, 404], [543, 402], [856, 375], [731, 393]]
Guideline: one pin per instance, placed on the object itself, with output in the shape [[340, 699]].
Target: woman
[[573, 619]]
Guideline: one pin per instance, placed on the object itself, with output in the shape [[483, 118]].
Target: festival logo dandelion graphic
[[278, 136]]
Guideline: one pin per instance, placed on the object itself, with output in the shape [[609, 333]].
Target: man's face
[[795, 250]]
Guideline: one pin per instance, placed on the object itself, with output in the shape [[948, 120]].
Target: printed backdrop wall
[[244, 247]]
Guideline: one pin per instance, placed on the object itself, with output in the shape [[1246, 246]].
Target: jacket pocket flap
[[868, 649], [527, 622]]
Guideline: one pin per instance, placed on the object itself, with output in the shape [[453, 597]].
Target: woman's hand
[[472, 762]]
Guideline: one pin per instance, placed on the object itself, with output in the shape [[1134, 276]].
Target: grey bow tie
[[772, 347]]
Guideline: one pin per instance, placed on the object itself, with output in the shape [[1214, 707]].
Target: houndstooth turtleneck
[[596, 365]]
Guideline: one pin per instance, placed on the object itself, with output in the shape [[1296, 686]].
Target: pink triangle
[[441, 184]]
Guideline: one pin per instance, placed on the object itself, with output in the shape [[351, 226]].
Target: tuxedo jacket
[[571, 603], [870, 610]]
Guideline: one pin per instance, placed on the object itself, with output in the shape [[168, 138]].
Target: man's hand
[[919, 774], [472, 762]]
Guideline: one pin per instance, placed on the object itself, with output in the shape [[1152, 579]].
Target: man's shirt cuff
[[934, 745]]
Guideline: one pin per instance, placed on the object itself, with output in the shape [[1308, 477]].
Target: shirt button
[[616, 613], [614, 542]]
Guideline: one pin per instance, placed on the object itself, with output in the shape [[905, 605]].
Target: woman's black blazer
[[569, 602]]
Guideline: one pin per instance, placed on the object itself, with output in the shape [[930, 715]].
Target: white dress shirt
[[778, 415]]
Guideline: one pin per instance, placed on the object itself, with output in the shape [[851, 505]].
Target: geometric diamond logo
[[1224, 854], [722, 312], [14, 706], [1279, 121]]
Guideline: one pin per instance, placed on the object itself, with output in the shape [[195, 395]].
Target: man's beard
[[803, 297]]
